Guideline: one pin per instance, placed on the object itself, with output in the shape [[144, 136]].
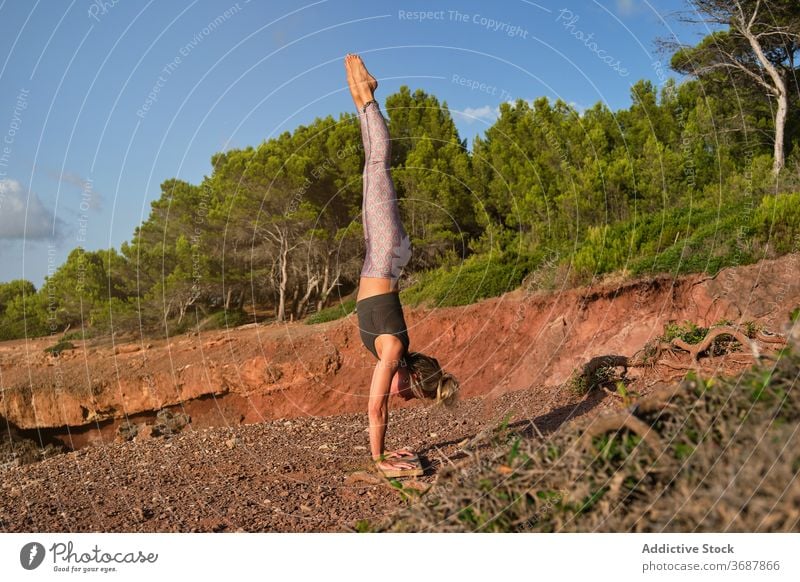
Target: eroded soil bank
[[252, 374]]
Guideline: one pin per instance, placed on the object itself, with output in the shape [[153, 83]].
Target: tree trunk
[[182, 311], [780, 129], [284, 279], [778, 91], [228, 298], [295, 301], [302, 307], [329, 283], [325, 276]]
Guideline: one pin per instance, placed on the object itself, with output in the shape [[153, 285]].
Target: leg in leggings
[[388, 244]]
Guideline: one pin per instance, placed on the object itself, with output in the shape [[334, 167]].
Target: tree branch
[[753, 18], [739, 67], [762, 58]]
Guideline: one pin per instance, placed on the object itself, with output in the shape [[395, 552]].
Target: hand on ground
[[398, 454], [392, 464]]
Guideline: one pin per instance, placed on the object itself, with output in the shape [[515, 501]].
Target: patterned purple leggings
[[388, 244]]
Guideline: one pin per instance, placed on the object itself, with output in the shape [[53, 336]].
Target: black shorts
[[381, 314]]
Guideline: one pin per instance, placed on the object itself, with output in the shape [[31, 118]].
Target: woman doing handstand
[[380, 315]]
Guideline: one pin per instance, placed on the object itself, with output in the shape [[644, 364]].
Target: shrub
[[477, 277], [78, 334], [777, 221], [226, 319], [605, 249], [61, 346], [114, 315], [334, 312], [663, 471], [677, 241]]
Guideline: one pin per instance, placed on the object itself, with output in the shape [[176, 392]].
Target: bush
[[61, 346], [225, 319], [113, 315], [76, 335], [331, 313], [605, 249], [776, 221], [676, 241], [478, 277], [663, 472]]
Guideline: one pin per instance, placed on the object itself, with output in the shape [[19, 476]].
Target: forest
[[695, 175]]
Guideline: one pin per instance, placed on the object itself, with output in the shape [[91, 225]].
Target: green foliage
[[676, 241], [776, 222], [407, 494], [601, 253], [23, 311], [689, 332], [115, 314], [61, 346], [13, 289], [476, 278], [334, 312], [226, 319], [627, 395], [76, 335]]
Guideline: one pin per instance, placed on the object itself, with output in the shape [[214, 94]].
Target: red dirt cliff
[[273, 371]]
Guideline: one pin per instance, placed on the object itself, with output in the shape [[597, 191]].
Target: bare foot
[[354, 93], [362, 84], [361, 74]]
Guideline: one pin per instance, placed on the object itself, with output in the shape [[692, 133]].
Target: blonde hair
[[431, 382]]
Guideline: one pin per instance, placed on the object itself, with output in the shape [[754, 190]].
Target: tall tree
[[759, 47]]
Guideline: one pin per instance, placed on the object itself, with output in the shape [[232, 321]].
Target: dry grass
[[703, 455]]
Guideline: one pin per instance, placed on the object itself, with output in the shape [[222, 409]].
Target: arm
[[382, 377], [379, 406]]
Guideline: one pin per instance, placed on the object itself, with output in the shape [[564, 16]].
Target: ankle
[[364, 104], [366, 94]]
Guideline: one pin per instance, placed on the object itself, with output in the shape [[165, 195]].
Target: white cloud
[[627, 7], [87, 192], [15, 205], [472, 114], [579, 107]]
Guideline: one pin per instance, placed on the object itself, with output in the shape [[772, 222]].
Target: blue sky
[[102, 100]]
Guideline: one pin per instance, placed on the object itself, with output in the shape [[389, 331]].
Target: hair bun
[[448, 388], [429, 381]]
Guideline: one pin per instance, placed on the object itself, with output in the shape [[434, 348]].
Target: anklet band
[[364, 107]]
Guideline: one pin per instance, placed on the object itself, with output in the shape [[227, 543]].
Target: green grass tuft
[[331, 313], [61, 346]]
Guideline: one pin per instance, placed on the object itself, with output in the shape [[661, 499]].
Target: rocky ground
[[303, 474]]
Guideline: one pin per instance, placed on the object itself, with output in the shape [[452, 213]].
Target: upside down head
[[429, 381]]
